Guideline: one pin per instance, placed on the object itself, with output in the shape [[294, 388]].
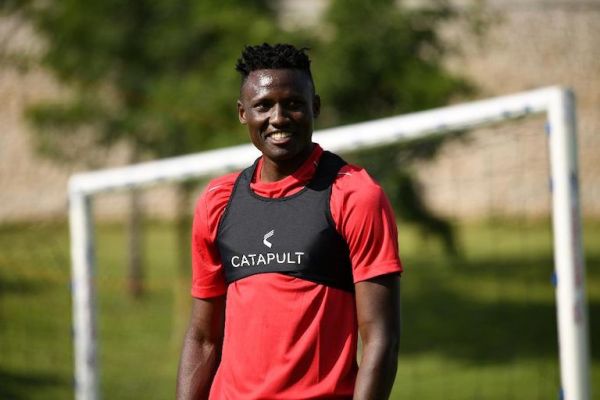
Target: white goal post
[[559, 106]]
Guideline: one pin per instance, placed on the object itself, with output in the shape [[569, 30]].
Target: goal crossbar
[[558, 104]]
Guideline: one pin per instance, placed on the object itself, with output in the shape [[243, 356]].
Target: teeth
[[280, 135]]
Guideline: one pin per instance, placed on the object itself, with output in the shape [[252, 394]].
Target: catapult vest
[[293, 235]]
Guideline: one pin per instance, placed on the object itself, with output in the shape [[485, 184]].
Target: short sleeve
[[364, 217], [207, 276]]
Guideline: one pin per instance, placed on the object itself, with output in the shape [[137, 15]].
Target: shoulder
[[216, 193], [363, 216], [220, 185], [353, 183]]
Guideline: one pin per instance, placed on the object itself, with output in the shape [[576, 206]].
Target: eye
[[295, 104], [262, 106]]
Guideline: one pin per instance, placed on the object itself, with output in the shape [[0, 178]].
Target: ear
[[241, 112], [316, 105]]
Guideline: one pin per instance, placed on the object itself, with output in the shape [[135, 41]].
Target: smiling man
[[292, 258]]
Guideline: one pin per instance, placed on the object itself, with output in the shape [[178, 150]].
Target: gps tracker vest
[[293, 235]]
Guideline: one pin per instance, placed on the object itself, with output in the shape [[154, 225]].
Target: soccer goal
[[557, 104]]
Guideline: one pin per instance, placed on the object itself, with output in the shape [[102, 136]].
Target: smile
[[278, 136]]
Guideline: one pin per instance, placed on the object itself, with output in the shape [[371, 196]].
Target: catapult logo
[[267, 236], [269, 258]]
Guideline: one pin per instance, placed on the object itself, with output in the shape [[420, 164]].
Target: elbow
[[396, 335], [384, 346], [392, 346], [389, 340], [202, 341], [395, 342]]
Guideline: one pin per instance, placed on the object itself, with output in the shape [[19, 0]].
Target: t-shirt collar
[[290, 183]]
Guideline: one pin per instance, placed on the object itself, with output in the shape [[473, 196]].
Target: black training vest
[[293, 235]]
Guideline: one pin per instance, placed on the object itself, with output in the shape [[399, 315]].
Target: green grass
[[483, 325], [478, 326]]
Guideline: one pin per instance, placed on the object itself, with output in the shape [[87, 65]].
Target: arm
[[201, 349], [378, 312]]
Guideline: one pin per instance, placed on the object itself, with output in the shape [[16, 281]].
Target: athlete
[[292, 259]]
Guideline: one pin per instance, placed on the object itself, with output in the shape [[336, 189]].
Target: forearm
[[378, 312], [197, 367], [201, 351], [377, 369]]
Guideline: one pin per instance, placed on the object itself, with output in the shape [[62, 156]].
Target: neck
[[276, 170]]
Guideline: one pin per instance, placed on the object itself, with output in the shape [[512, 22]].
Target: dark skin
[[201, 352], [279, 107]]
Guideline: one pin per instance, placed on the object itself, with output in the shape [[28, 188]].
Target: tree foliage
[[158, 74], [378, 59]]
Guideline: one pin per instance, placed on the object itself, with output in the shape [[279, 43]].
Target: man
[[291, 259]]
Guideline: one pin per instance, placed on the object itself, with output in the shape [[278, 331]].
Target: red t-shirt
[[285, 337]]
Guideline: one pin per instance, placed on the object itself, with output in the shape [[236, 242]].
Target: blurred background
[[87, 85]]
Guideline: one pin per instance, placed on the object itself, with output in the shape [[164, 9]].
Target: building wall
[[531, 44], [34, 187], [31, 187]]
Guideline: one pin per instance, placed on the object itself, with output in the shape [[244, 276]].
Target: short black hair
[[278, 56]]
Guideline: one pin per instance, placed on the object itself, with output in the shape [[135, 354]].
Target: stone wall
[[531, 44], [30, 187], [34, 187]]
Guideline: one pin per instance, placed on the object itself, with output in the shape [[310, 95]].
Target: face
[[279, 107]]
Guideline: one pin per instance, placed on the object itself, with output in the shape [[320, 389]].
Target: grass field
[[479, 326]]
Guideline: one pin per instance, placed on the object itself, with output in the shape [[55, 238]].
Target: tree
[[377, 58], [156, 75]]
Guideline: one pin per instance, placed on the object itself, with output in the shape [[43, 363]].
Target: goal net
[[458, 292]]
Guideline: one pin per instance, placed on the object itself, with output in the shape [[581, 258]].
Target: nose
[[278, 115]]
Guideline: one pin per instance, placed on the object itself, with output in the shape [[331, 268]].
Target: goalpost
[[557, 103]]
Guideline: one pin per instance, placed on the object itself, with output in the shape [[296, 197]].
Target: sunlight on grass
[[480, 325], [433, 377]]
